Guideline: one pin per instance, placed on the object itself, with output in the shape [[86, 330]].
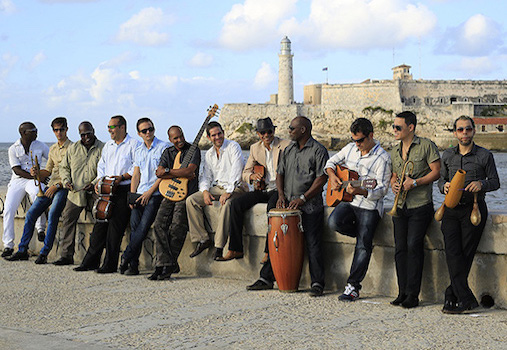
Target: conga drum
[[286, 247]]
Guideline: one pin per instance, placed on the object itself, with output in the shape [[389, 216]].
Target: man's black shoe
[[64, 261], [124, 266], [461, 308], [132, 271], [316, 291], [259, 285], [410, 302], [83, 268], [7, 252], [155, 274], [41, 259], [167, 271], [218, 254], [199, 248], [41, 236], [105, 269], [400, 299], [449, 305], [18, 256]]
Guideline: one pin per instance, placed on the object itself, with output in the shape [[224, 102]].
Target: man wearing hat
[[266, 153]]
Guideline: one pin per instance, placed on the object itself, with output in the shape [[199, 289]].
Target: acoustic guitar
[[176, 189], [259, 185], [347, 176]]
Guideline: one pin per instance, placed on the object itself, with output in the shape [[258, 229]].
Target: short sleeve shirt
[[18, 157], [169, 155]]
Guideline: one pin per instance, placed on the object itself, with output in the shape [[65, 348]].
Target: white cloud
[[37, 60], [478, 36], [201, 60], [265, 76], [476, 66], [146, 28], [7, 63], [255, 23], [7, 6]]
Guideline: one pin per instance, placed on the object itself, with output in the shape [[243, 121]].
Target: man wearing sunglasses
[[144, 186], [360, 217], [461, 237], [116, 161], [266, 152], [78, 169], [55, 195], [415, 206], [21, 157]]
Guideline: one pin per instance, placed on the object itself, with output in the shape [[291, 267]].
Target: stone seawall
[[488, 275]]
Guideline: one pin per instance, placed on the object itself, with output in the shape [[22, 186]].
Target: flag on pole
[[324, 69]]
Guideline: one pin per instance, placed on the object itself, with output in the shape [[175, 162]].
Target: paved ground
[[50, 307]]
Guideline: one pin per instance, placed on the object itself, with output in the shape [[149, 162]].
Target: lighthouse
[[285, 80]]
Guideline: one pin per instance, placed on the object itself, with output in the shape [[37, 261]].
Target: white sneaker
[[350, 293]]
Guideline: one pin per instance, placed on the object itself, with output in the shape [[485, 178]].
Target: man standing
[[171, 224], [145, 185], [54, 196], [220, 180], [300, 178], [21, 155], [116, 162], [460, 235], [415, 211], [266, 152], [360, 217], [77, 169]]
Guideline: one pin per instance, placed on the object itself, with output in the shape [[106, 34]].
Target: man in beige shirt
[[55, 196], [78, 169]]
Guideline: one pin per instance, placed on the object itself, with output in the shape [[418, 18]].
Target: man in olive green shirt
[[78, 169], [415, 212]]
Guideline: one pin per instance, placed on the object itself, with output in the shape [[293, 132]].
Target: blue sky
[[170, 60]]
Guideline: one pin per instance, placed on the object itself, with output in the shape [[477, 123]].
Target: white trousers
[[16, 190]]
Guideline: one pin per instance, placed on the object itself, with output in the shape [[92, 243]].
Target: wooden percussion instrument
[[103, 207], [454, 194], [286, 247]]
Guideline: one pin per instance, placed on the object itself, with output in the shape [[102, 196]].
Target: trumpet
[[37, 175], [408, 168]]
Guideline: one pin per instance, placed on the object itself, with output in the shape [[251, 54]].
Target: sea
[[497, 200]]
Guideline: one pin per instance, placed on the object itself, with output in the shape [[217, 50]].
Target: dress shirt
[[56, 154], [79, 167], [479, 165], [117, 159], [376, 164], [147, 159], [18, 157], [169, 155], [270, 170], [223, 171], [300, 168]]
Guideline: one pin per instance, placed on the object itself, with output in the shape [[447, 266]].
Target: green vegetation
[[245, 128], [494, 111], [384, 124], [377, 109]]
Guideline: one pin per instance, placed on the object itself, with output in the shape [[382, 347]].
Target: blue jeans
[[38, 207], [360, 223], [141, 219]]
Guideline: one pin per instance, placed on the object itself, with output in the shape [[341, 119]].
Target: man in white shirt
[[360, 217], [21, 156], [116, 161], [220, 181]]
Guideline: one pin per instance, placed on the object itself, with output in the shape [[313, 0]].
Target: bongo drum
[[103, 209], [286, 247], [106, 186]]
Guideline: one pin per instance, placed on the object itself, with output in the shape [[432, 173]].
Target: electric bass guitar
[[176, 189], [347, 176]]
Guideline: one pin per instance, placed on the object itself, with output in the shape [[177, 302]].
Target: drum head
[[285, 212]]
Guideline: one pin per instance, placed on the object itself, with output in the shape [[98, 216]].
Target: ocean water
[[497, 200]]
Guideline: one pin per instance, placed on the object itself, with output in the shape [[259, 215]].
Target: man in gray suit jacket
[[266, 153]]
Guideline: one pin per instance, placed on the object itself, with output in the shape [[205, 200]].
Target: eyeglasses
[[150, 129], [84, 134], [112, 127], [269, 132], [397, 127], [468, 129], [59, 129], [358, 140], [31, 130]]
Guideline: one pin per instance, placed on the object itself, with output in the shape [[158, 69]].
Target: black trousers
[[312, 226], [461, 240], [109, 234], [409, 230], [238, 207]]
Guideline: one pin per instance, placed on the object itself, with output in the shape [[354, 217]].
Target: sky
[[170, 60]]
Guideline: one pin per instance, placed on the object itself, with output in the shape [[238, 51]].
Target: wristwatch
[[414, 183], [58, 185], [167, 170], [303, 198]]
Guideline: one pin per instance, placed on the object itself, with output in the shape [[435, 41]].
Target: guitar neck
[[354, 183]]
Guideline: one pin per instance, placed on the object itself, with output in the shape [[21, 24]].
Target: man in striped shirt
[[360, 217]]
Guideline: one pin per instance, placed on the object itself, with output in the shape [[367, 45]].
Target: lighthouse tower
[[285, 81]]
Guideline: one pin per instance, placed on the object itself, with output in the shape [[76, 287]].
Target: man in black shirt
[[171, 223], [460, 235]]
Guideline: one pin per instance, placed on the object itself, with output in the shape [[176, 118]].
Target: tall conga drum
[[286, 247]]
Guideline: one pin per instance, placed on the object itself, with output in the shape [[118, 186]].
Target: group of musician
[[137, 183]]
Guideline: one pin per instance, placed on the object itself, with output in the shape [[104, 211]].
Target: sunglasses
[[358, 140], [112, 127], [292, 128], [468, 129], [269, 132], [31, 130], [84, 134], [59, 129], [150, 129], [397, 127]]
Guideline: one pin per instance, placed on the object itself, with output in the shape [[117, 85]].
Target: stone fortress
[[332, 107]]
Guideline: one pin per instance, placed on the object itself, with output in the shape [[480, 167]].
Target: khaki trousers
[[195, 213]]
